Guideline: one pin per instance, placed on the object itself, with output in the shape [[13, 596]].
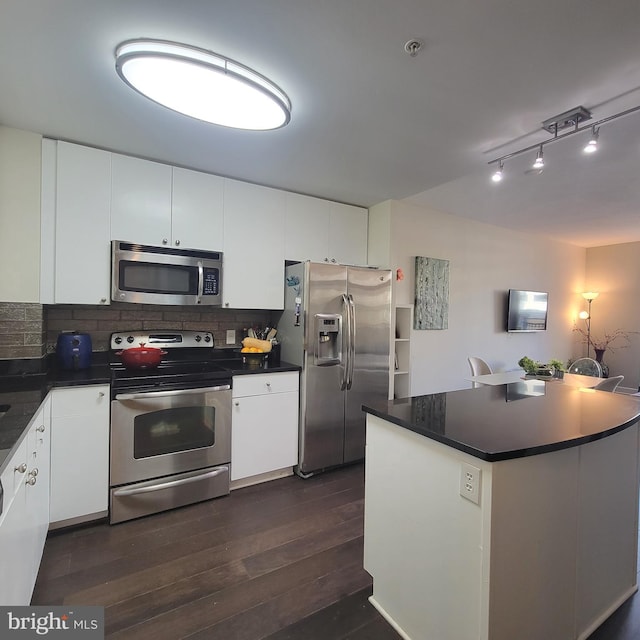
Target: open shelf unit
[[400, 378]]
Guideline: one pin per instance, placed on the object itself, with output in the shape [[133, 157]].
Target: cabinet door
[[79, 452], [348, 234], [15, 539], [264, 434], [82, 249], [37, 485], [140, 201], [196, 210], [15, 552], [307, 228], [253, 271]]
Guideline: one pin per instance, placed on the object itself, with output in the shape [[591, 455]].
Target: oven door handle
[[172, 483], [163, 394]]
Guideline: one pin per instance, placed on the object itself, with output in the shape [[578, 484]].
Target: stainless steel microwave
[[164, 275]]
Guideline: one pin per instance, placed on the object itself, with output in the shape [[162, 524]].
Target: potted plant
[[558, 367], [530, 366]]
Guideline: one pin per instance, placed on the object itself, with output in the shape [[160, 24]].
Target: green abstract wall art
[[431, 309]]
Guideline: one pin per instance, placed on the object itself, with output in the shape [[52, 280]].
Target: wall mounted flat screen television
[[527, 310]]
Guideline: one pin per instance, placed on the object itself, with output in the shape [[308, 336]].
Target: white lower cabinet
[[79, 454], [264, 436], [25, 515]]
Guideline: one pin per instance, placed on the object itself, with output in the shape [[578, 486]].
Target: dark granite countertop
[[24, 383], [513, 420]]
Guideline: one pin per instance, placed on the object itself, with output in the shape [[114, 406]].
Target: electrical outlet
[[231, 336], [470, 478]]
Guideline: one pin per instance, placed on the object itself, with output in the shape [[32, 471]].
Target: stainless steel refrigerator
[[336, 326]]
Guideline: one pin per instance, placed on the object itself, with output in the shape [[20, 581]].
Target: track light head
[[539, 163], [592, 145], [499, 174]]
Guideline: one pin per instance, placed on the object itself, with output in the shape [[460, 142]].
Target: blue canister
[[73, 350]]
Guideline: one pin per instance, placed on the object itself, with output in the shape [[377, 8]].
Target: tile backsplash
[[100, 321], [22, 330], [31, 330]]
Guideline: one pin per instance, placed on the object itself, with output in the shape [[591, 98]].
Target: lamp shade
[[590, 295], [202, 84]]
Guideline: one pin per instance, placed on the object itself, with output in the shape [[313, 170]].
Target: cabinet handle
[[103, 300], [21, 468], [40, 428], [333, 260], [268, 385], [31, 480], [164, 241], [100, 394], [34, 472], [237, 403], [177, 243]]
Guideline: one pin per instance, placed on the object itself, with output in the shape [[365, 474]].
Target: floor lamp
[[589, 296]]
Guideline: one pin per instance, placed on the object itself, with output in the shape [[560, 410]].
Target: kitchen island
[[502, 512]]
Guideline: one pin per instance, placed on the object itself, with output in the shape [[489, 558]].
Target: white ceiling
[[369, 122]]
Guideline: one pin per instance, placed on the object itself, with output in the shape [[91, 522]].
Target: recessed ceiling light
[[202, 84]]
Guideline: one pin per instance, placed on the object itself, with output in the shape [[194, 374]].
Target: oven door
[[160, 433]]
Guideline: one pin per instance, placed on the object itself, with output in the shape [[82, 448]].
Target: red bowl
[[141, 357]]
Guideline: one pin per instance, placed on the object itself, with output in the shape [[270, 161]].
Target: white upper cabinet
[[307, 228], [82, 249], [140, 201], [348, 234], [196, 210], [253, 268], [156, 204], [325, 231]]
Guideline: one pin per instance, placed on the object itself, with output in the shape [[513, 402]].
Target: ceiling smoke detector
[[572, 118], [413, 46]]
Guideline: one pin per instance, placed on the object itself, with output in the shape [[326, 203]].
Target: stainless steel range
[[170, 425]]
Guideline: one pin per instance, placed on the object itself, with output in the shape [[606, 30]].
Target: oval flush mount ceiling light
[[202, 84]]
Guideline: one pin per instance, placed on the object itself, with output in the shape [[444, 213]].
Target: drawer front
[[78, 401], [263, 383]]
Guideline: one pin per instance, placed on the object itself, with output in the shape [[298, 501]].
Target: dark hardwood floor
[[277, 561]]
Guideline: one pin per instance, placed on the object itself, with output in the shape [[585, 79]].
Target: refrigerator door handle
[[346, 341], [352, 341]]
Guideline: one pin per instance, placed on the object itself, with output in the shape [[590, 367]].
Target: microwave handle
[[200, 281]]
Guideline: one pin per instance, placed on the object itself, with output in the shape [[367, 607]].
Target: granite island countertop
[[515, 420]]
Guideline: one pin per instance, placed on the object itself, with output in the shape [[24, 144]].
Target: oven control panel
[[162, 339]]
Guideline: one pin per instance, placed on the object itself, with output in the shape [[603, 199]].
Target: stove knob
[[198, 338], [118, 340], [207, 338], [130, 339]]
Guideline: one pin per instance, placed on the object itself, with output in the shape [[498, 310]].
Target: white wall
[[485, 262], [614, 271], [19, 215]]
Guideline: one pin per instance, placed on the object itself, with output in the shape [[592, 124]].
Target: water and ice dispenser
[[328, 339]]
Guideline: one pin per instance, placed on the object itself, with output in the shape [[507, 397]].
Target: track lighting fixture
[[592, 145], [497, 176], [539, 163], [553, 125]]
